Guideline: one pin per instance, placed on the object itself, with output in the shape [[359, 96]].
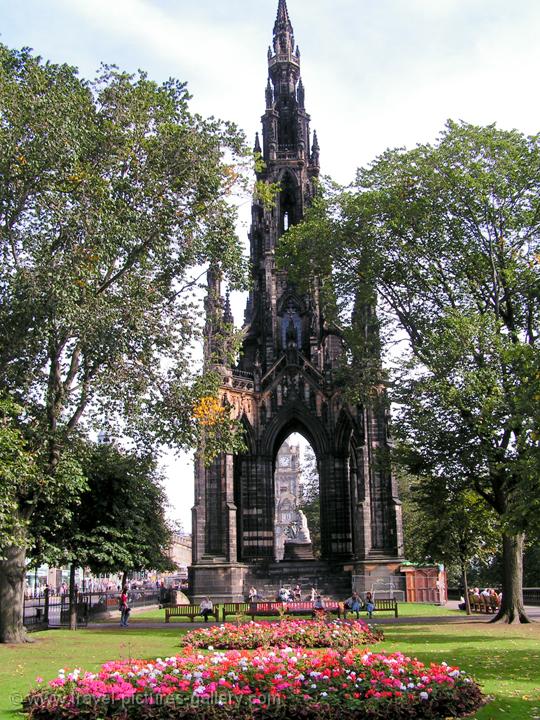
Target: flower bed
[[339, 634], [272, 684]]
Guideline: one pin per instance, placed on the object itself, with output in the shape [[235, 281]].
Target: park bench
[[306, 608], [383, 605], [273, 609], [190, 611], [483, 604], [266, 608], [235, 609]]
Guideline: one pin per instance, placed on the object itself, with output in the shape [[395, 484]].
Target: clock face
[[284, 461]]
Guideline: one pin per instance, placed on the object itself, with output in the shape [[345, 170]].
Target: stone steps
[[333, 583]]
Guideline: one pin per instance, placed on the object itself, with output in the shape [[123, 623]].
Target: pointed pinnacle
[[283, 21], [257, 147]]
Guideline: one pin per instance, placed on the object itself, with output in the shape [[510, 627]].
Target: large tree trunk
[[72, 598], [12, 576], [512, 610]]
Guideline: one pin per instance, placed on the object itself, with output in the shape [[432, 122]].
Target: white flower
[[454, 673], [210, 647], [424, 696], [324, 694]]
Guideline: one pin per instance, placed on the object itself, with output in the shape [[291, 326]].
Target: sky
[[377, 73]]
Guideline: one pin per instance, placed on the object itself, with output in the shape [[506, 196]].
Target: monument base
[[298, 551], [221, 582]]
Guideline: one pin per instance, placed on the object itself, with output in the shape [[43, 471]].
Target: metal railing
[[51, 610]]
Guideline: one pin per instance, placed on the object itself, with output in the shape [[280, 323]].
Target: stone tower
[[286, 382]]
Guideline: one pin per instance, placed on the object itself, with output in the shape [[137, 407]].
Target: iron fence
[[382, 587], [48, 610]]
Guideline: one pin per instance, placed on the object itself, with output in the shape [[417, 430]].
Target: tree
[[114, 198], [117, 524], [447, 235], [445, 524]]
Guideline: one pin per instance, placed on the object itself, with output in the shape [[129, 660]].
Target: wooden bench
[[306, 608], [274, 609], [266, 608], [483, 604], [235, 609], [190, 611], [383, 605]]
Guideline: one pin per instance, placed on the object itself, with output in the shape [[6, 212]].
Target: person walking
[[124, 608]]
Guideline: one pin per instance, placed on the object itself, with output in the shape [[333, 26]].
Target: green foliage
[[23, 483], [446, 524], [117, 524], [447, 238], [444, 241], [113, 195], [114, 199], [18, 473]]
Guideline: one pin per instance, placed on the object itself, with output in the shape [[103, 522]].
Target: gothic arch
[[345, 432], [249, 434], [295, 418]]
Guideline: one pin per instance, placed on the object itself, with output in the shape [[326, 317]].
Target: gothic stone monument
[[286, 382]]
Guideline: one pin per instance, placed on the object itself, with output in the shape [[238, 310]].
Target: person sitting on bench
[[354, 604], [369, 604], [318, 605], [207, 608]]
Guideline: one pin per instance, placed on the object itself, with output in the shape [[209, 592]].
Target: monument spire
[[283, 30]]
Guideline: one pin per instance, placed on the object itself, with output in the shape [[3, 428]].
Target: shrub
[[339, 634], [260, 685]]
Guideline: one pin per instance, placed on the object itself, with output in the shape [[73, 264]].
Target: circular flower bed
[[339, 634], [279, 683]]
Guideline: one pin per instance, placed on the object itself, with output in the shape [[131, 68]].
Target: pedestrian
[[297, 593], [252, 595], [124, 607], [206, 608]]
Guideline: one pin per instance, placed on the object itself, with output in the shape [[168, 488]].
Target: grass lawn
[[505, 660]]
